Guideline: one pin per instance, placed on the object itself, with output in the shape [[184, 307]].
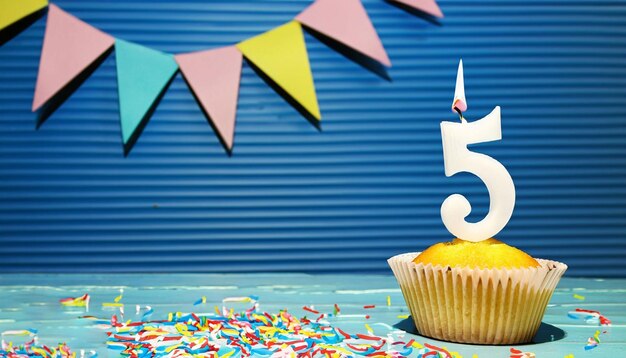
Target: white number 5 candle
[[458, 158]]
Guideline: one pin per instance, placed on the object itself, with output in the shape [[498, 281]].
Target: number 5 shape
[[458, 158]]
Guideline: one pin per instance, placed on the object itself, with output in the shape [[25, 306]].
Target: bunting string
[[73, 48]]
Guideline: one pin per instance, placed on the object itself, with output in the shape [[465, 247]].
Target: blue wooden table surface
[[32, 301]]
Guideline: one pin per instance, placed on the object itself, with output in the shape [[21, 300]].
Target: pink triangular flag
[[428, 6], [345, 21], [214, 77], [69, 47]]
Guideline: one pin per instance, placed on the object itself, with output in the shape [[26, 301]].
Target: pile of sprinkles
[[252, 332], [33, 349]]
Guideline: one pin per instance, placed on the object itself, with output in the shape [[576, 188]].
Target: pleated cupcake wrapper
[[482, 306]]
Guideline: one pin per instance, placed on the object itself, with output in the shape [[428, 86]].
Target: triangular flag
[[428, 6], [214, 77], [281, 55], [142, 76], [12, 11], [70, 46], [345, 21]]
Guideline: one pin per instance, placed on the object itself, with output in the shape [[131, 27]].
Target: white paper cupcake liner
[[481, 306]]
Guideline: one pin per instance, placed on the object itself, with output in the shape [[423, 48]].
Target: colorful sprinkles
[[252, 332], [593, 341], [119, 298], [116, 301], [82, 301], [256, 333], [516, 353], [336, 310], [590, 316], [33, 349], [309, 309]]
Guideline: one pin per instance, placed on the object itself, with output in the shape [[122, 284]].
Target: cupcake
[[482, 292]]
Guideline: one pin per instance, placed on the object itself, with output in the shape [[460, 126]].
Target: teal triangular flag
[[142, 76]]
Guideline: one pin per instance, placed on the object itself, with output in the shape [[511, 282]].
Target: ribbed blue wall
[[366, 187]]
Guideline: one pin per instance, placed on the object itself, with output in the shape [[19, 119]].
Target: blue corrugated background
[[366, 187]]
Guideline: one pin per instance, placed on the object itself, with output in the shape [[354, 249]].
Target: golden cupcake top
[[490, 254]]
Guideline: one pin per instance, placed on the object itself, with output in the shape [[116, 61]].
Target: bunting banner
[[72, 49]]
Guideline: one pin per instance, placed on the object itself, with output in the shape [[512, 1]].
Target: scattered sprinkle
[[119, 298], [147, 314], [453, 353], [200, 301], [246, 299], [336, 311], [82, 301], [403, 316], [593, 341], [116, 301], [20, 332], [112, 304], [597, 336], [578, 297], [439, 350], [388, 300], [516, 353], [590, 316], [369, 306], [309, 309], [569, 356]]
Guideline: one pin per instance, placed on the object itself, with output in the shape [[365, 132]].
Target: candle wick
[[460, 115]]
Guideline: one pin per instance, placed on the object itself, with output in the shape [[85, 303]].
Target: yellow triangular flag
[[281, 55], [12, 11]]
